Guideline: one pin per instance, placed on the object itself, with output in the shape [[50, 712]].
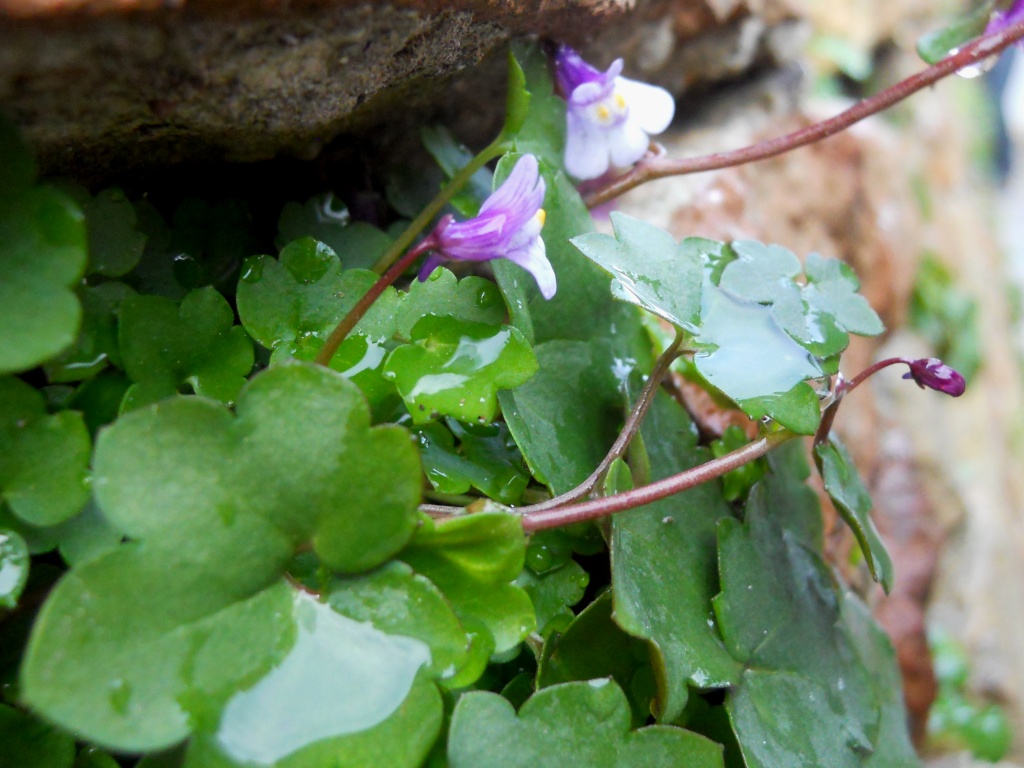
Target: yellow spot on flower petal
[[541, 216], [620, 100], [603, 112]]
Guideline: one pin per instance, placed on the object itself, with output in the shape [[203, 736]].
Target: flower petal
[[586, 148], [650, 106], [628, 143], [534, 259]]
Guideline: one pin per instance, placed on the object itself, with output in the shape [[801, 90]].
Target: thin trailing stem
[[657, 166], [622, 442], [496, 148], [349, 321], [598, 508]]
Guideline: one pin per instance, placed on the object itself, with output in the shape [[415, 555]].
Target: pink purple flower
[[1003, 18], [507, 227], [933, 373], [610, 118]]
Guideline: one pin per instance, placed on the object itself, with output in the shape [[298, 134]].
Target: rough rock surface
[[101, 86]]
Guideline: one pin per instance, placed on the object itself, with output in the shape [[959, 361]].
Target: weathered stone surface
[[100, 86]]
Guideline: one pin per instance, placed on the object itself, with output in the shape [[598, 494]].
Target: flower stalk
[[651, 167]]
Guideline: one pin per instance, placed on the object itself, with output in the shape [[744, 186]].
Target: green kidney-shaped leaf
[[456, 367], [344, 693], [217, 504], [301, 296], [166, 346], [853, 502], [43, 458], [397, 601], [474, 560], [649, 269], [575, 723], [42, 255]]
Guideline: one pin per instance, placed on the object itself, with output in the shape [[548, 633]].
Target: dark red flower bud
[[933, 373]]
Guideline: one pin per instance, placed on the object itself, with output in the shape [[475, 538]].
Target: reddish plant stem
[[843, 388], [344, 328], [597, 508], [622, 442], [659, 166]]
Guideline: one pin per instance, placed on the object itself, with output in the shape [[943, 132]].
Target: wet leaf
[[93, 757], [594, 646], [474, 560], [649, 269], [166, 347], [782, 617], [554, 593], [31, 743], [42, 256], [326, 219], [43, 458], [456, 367], [736, 484], [665, 554], [97, 344], [343, 694], [582, 723], [399, 602], [853, 502], [489, 462], [14, 565], [179, 479], [115, 244], [471, 298], [291, 304], [565, 418]]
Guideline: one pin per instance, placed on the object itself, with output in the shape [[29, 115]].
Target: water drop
[[435, 275], [253, 270], [120, 694], [487, 298]]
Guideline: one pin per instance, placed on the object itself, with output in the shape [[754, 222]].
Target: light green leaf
[[575, 723], [166, 347], [14, 565], [542, 128], [456, 367], [295, 301], [474, 560], [853, 502], [42, 256], [553, 594], [399, 602], [43, 459], [343, 694], [179, 479]]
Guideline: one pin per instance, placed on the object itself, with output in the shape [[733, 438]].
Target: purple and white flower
[[610, 118], [933, 373], [507, 227]]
